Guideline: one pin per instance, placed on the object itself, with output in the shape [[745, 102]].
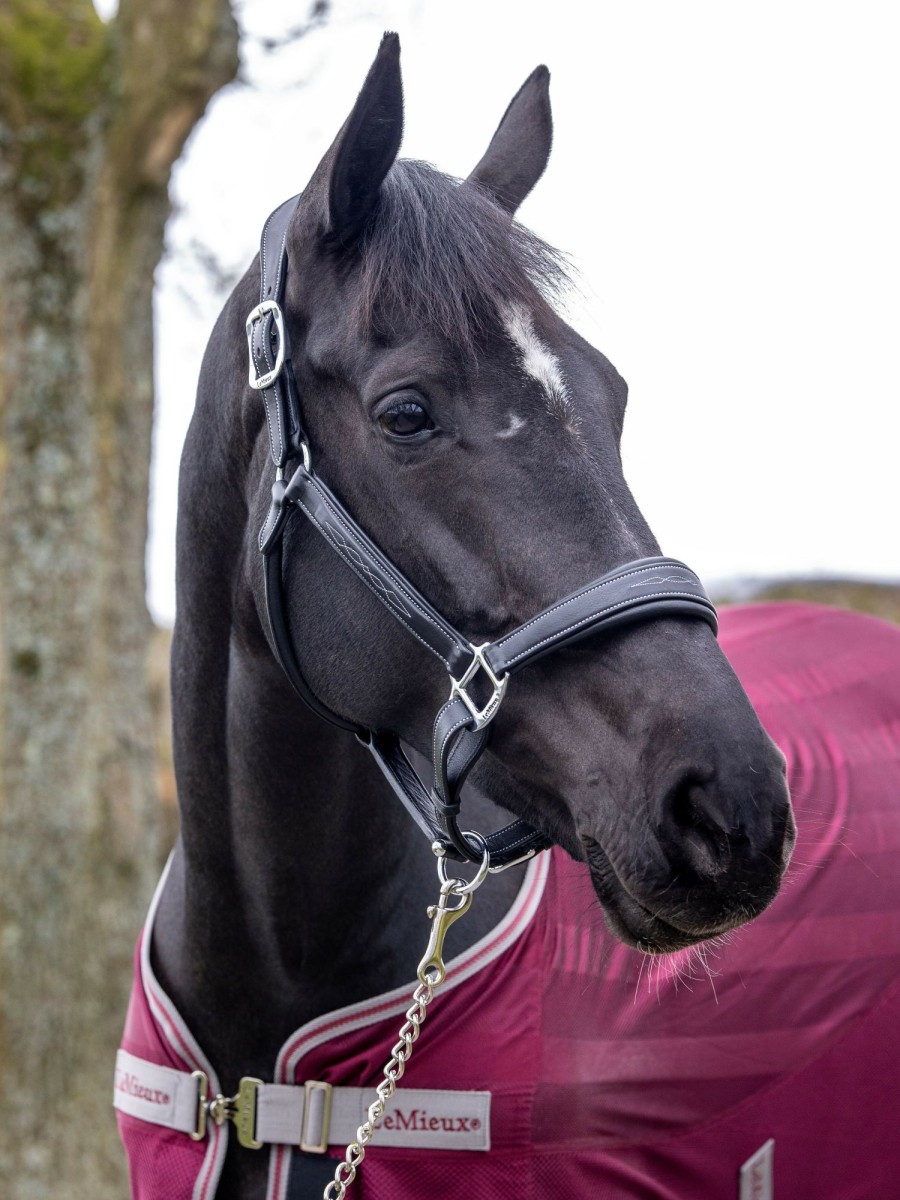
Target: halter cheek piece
[[639, 591]]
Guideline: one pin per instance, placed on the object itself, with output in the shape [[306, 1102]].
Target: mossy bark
[[92, 118]]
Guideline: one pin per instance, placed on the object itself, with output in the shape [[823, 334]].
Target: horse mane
[[443, 254]]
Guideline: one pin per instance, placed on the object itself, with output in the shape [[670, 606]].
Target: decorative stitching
[[277, 455], [437, 722], [267, 405], [324, 530], [293, 200], [263, 533], [265, 238], [338, 516], [374, 581], [505, 846], [580, 595], [662, 579], [397, 583], [464, 721], [594, 617], [281, 259], [361, 569], [264, 346], [453, 753]]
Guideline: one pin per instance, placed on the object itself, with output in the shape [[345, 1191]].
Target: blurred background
[[726, 184]]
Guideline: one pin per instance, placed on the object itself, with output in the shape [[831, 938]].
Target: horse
[[454, 445]]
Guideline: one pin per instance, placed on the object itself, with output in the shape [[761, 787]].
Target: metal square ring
[[260, 382]]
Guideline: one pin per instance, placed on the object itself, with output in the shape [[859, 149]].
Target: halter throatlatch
[[638, 591]]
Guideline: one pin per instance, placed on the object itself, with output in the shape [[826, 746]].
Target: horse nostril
[[698, 834]]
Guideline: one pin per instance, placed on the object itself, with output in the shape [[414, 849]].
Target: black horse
[[475, 437]]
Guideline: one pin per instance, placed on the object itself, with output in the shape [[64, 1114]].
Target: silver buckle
[[316, 1116], [481, 716], [260, 382], [514, 862]]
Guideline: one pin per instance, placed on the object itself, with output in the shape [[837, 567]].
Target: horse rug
[[558, 1062]]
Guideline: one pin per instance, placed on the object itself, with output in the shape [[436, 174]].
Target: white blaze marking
[[541, 364], [515, 424]]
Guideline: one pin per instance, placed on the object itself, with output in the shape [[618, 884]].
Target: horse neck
[[299, 884]]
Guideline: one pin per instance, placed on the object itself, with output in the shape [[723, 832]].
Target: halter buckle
[[481, 716], [260, 382]]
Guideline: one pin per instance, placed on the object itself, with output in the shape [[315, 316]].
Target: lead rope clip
[[454, 901]]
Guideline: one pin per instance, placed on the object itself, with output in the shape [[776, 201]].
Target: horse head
[[475, 437]]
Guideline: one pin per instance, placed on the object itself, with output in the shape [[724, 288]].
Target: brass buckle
[[240, 1110], [317, 1098], [198, 1133]]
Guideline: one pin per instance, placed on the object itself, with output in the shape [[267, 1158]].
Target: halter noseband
[[639, 591]]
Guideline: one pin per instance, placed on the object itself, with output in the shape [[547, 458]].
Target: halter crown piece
[[638, 591]]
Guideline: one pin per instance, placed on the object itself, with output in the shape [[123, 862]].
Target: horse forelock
[[440, 255]]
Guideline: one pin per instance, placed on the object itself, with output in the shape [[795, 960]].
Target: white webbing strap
[[312, 1116], [156, 1094]]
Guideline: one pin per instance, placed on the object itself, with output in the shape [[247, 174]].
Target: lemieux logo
[[421, 1121], [130, 1084], [439, 1120]]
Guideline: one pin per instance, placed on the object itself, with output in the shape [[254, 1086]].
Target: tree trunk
[[92, 117]]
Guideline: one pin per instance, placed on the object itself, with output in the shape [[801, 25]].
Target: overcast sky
[[725, 177]]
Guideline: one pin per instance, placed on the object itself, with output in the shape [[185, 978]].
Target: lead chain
[[455, 899], [346, 1170]]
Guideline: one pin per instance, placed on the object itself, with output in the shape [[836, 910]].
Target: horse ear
[[518, 153], [367, 145]]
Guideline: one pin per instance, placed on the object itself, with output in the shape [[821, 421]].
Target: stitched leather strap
[[284, 643], [364, 558], [648, 587], [439, 821], [388, 753], [282, 417]]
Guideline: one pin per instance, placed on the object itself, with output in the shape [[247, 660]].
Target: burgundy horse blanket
[[558, 1063]]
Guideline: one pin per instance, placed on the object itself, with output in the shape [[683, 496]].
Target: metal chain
[[455, 899], [393, 1071]]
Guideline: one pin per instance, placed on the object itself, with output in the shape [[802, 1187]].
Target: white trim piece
[[367, 1012], [431, 1119], [185, 1047], [426, 1118], [156, 1094], [757, 1175], [310, 1115]]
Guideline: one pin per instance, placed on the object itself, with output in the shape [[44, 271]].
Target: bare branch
[[318, 14]]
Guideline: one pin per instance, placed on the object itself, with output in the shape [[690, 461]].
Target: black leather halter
[[639, 591]]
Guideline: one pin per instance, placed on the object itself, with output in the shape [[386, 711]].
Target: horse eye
[[405, 418]]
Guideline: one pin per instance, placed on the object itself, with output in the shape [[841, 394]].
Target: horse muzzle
[[694, 877]]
